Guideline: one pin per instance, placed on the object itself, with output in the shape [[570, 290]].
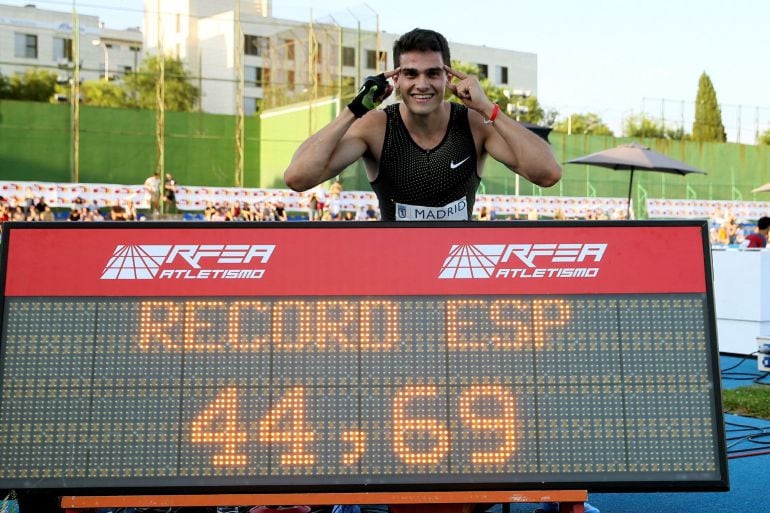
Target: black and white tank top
[[426, 185]]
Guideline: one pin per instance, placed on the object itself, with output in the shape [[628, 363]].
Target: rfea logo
[[187, 261], [565, 260]]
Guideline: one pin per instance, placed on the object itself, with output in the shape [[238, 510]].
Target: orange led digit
[[502, 424], [292, 407], [358, 439], [403, 425], [223, 412]]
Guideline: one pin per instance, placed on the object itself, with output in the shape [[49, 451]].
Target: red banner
[[354, 259]]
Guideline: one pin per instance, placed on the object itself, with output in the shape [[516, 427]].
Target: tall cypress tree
[[708, 116]]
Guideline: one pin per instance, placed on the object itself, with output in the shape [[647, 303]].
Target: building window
[[290, 80], [25, 46], [289, 43], [502, 74], [348, 56], [250, 106], [371, 59], [255, 76], [255, 45], [483, 71], [62, 48]]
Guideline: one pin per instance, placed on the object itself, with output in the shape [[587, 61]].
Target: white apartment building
[[38, 38], [230, 48], [224, 42]]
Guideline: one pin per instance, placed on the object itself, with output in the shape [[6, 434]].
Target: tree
[[708, 116], [101, 93], [527, 109], [588, 124], [180, 94], [5, 87], [36, 85], [764, 138], [642, 126]]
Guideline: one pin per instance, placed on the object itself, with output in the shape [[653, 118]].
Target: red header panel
[[346, 259]]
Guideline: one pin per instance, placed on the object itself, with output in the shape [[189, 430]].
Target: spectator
[[152, 192], [209, 211], [169, 194], [280, 211], [74, 214], [47, 214], [312, 207], [117, 212], [221, 214], [483, 214], [758, 239]]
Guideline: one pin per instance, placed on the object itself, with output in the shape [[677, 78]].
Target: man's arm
[[340, 143], [505, 140], [325, 154]]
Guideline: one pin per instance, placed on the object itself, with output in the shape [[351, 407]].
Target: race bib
[[455, 211]]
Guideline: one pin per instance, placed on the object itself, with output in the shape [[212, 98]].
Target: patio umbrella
[[635, 157], [762, 188], [539, 130]]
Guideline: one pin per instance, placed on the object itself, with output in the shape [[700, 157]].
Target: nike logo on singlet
[[452, 165]]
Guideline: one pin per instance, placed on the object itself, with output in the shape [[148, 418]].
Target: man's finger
[[392, 72], [458, 74]]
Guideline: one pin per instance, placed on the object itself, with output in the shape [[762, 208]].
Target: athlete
[[424, 155]]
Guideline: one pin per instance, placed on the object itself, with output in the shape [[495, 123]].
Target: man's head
[[420, 56], [763, 225], [421, 40]]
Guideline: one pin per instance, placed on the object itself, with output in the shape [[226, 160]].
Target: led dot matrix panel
[[359, 357]]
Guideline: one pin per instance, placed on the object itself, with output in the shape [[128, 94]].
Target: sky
[[613, 58]]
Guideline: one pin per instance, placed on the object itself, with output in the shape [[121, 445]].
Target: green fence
[[119, 146]]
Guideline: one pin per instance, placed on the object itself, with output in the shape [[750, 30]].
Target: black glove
[[371, 94]]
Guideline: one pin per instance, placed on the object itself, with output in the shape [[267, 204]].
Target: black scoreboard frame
[[300, 483]]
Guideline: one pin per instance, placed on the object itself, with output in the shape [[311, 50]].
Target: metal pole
[[76, 97], [106, 62], [160, 115], [239, 92]]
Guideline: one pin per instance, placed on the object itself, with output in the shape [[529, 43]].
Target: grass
[[751, 401]]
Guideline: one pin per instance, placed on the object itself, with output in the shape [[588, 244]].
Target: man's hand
[[372, 93], [469, 90]]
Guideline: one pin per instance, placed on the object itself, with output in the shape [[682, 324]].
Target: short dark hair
[[421, 40], [763, 223]]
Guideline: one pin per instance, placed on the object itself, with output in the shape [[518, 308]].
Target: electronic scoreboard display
[[359, 357]]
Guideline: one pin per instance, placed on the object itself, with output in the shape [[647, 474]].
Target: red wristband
[[495, 112]]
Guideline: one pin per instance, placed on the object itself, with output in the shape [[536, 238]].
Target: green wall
[[284, 129], [118, 146]]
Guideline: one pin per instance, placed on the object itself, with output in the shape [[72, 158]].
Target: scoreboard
[[359, 357]]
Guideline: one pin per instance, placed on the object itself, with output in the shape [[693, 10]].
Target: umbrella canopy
[[539, 130], [635, 157], [762, 188]]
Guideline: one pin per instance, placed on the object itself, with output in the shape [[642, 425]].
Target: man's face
[[421, 81]]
